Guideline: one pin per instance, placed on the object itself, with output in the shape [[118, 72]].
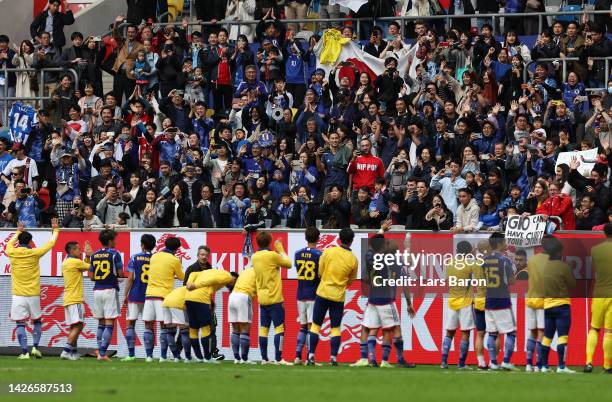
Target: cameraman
[[26, 208], [389, 84]]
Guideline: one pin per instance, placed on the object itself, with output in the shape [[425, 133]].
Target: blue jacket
[[27, 210], [236, 211]]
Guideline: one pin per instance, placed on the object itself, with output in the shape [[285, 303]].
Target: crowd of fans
[[215, 129]]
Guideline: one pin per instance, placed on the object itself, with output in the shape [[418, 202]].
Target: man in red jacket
[[558, 204], [364, 168]]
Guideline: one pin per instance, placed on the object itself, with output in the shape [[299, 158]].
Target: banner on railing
[[422, 334]]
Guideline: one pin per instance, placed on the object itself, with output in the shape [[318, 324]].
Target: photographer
[[26, 208], [377, 45], [168, 68], [304, 173], [335, 209], [389, 84]]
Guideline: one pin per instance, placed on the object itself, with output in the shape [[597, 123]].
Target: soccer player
[[460, 310], [479, 309], [534, 312], [25, 278], [74, 310], [307, 266], [240, 315], [499, 317], [135, 290], [267, 264], [163, 268], [601, 306], [381, 311], [337, 269], [105, 270], [558, 281], [200, 289], [175, 317]]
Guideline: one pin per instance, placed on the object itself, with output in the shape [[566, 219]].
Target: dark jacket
[[206, 216], [182, 213], [418, 210], [195, 267], [60, 20], [335, 214], [596, 217]]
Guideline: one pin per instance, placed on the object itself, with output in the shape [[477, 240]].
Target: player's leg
[[133, 310], [539, 341], [19, 314], [171, 335], [371, 321], [22, 338], [278, 319], [318, 315], [387, 338], [507, 326], [492, 334], [389, 319], [303, 332], [607, 340], [530, 347], [372, 334], [464, 348], [34, 311], [149, 316], [232, 313], [194, 329], [206, 331], [398, 344], [245, 331], [550, 328], [479, 321], [265, 320], [336, 309], [186, 344], [363, 348], [563, 324], [597, 322], [110, 298], [74, 319]]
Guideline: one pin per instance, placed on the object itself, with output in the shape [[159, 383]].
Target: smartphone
[[164, 191], [256, 175], [451, 135], [478, 136]]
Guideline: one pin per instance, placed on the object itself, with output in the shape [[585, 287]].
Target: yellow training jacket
[[460, 296], [176, 298], [25, 268], [246, 283], [207, 283], [535, 292], [72, 271], [266, 265], [163, 268], [337, 269]]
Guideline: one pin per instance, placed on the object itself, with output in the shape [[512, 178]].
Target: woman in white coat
[[24, 58], [241, 10]]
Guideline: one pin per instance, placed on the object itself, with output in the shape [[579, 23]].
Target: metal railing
[[565, 60], [404, 19], [7, 101]]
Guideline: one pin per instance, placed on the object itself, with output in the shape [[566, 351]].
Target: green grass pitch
[[140, 381]]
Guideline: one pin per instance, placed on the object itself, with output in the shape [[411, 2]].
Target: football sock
[[372, 348], [195, 344], [99, 335], [186, 343], [106, 339], [539, 354], [171, 336], [363, 350], [163, 343], [509, 347], [446, 345], [591, 345], [464, 346], [399, 348], [130, 338], [531, 345], [148, 341], [36, 332], [491, 347], [335, 346], [561, 347], [301, 340], [22, 337], [607, 348], [386, 351], [278, 346], [263, 347], [245, 343], [205, 341], [545, 351], [68, 348], [235, 341], [313, 341], [481, 360]]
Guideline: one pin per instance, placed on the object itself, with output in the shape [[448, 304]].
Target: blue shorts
[[322, 306], [198, 314], [479, 320], [272, 314], [557, 319]]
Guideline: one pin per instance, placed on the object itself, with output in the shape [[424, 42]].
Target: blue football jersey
[[106, 266], [139, 266], [307, 265], [21, 120], [382, 293], [498, 270]]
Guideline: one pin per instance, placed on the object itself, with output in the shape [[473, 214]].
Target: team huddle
[[323, 278]]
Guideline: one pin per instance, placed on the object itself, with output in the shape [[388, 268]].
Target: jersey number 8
[[144, 276], [306, 270]]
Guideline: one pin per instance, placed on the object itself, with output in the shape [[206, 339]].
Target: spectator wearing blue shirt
[[235, 204], [489, 213]]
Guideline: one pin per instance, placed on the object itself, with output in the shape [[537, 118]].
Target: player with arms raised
[[307, 266], [105, 270], [25, 284], [499, 273], [135, 290], [337, 269], [74, 309], [266, 264]]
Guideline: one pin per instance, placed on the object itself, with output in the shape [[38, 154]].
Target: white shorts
[[134, 310], [24, 307], [305, 308], [106, 304], [462, 319], [74, 314], [385, 316], [534, 318], [501, 321], [239, 308], [174, 316], [153, 310]]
